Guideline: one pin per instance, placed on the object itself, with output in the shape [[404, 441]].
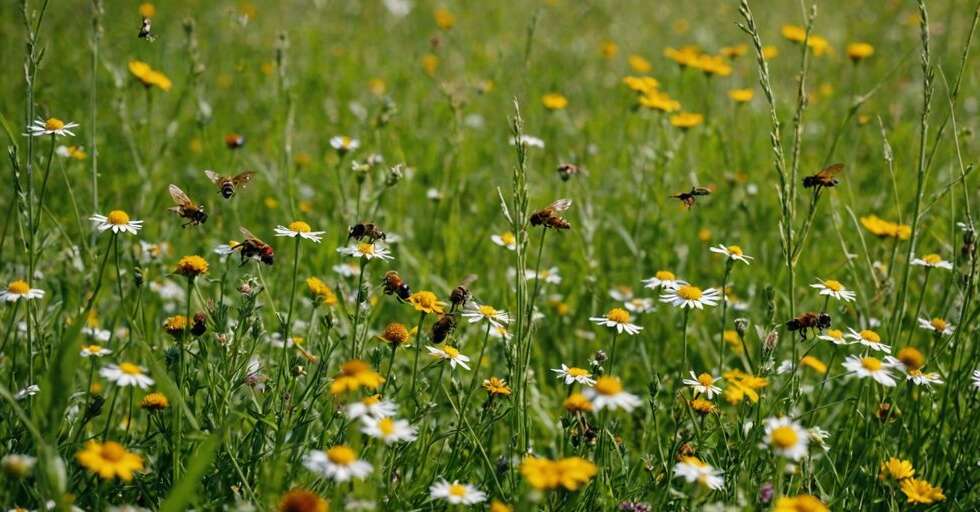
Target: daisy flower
[[528, 140], [703, 384], [835, 336], [732, 252], [693, 469], [608, 394], [869, 367], [118, 221], [27, 392], [109, 460], [921, 378], [499, 331], [786, 437], [909, 358], [94, 351], [688, 296], [639, 305], [225, 249], [371, 406], [19, 289], [621, 293], [475, 313], [619, 319], [338, 463], [505, 239], [548, 275], [451, 354], [126, 374], [976, 379], [932, 261], [344, 144], [299, 229], [663, 279], [834, 289], [572, 375], [349, 269], [388, 429], [366, 251], [456, 493], [100, 335], [869, 339], [50, 126], [936, 325]]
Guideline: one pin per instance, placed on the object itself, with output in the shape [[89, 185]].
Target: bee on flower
[[572, 375], [338, 463], [694, 470], [456, 493], [835, 289], [868, 366], [19, 289], [387, 429], [732, 253], [663, 279], [475, 312], [506, 240], [937, 325], [300, 229], [51, 126], [869, 339], [690, 296], [931, 261], [786, 438], [126, 374], [703, 384], [450, 354], [118, 221], [619, 319], [608, 393]]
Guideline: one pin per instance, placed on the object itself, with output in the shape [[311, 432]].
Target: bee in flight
[[687, 198], [365, 230], [227, 185], [253, 248], [549, 216], [145, 32], [825, 178], [443, 327], [186, 209], [394, 284], [234, 140], [809, 321]]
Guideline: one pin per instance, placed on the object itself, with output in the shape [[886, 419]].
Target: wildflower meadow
[[557, 255]]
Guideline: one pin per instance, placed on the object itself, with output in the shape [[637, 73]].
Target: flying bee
[[549, 216], [567, 171], [227, 185], [443, 327], [234, 140], [254, 248], [825, 178], [688, 197], [365, 230], [394, 284], [187, 209], [807, 322], [145, 32]]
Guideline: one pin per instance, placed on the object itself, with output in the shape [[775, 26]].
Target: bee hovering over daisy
[[228, 185], [806, 322], [550, 217], [186, 208], [253, 248], [366, 230]]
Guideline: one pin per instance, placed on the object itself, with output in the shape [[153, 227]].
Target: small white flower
[[475, 313], [499, 331], [100, 335], [94, 351], [639, 305], [694, 470], [936, 325], [784, 367], [117, 221], [572, 375], [786, 438], [976, 379], [27, 392], [869, 367], [549, 275], [338, 463], [366, 251], [619, 319], [921, 378], [344, 144], [608, 394], [349, 269], [388, 429], [688, 296], [820, 436], [528, 140], [450, 354], [664, 279], [126, 374], [869, 339], [834, 336], [732, 252], [835, 289], [932, 261], [299, 229], [621, 293], [372, 406], [456, 493], [224, 250], [19, 289], [703, 384], [505, 239], [50, 126]]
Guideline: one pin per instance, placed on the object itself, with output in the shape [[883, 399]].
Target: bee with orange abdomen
[[365, 230], [253, 248], [186, 209], [234, 140], [443, 327], [825, 178], [394, 285], [688, 198], [809, 321], [227, 185], [549, 216]]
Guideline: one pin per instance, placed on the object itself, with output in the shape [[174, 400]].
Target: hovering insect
[[688, 197], [365, 230], [253, 248], [807, 322], [145, 30], [187, 209], [394, 284], [443, 327], [825, 178], [567, 171], [234, 140], [549, 216], [228, 185]]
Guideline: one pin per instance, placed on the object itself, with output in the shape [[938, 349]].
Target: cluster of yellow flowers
[[570, 473], [148, 76], [886, 229]]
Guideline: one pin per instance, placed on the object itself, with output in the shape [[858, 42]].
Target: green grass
[[291, 76]]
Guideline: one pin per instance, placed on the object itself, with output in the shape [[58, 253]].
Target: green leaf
[[186, 489]]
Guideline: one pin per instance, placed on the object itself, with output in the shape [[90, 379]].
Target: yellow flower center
[[508, 238], [618, 315], [345, 141], [578, 372], [341, 455], [488, 311], [608, 386], [457, 490], [425, 299], [19, 287], [451, 352], [118, 218], [130, 369], [932, 259], [386, 426], [365, 248], [112, 451], [706, 379], [192, 265], [784, 437], [833, 285], [93, 349], [835, 333], [54, 124], [665, 275], [299, 227], [371, 400], [871, 336], [735, 250], [688, 292], [872, 364], [938, 324]]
